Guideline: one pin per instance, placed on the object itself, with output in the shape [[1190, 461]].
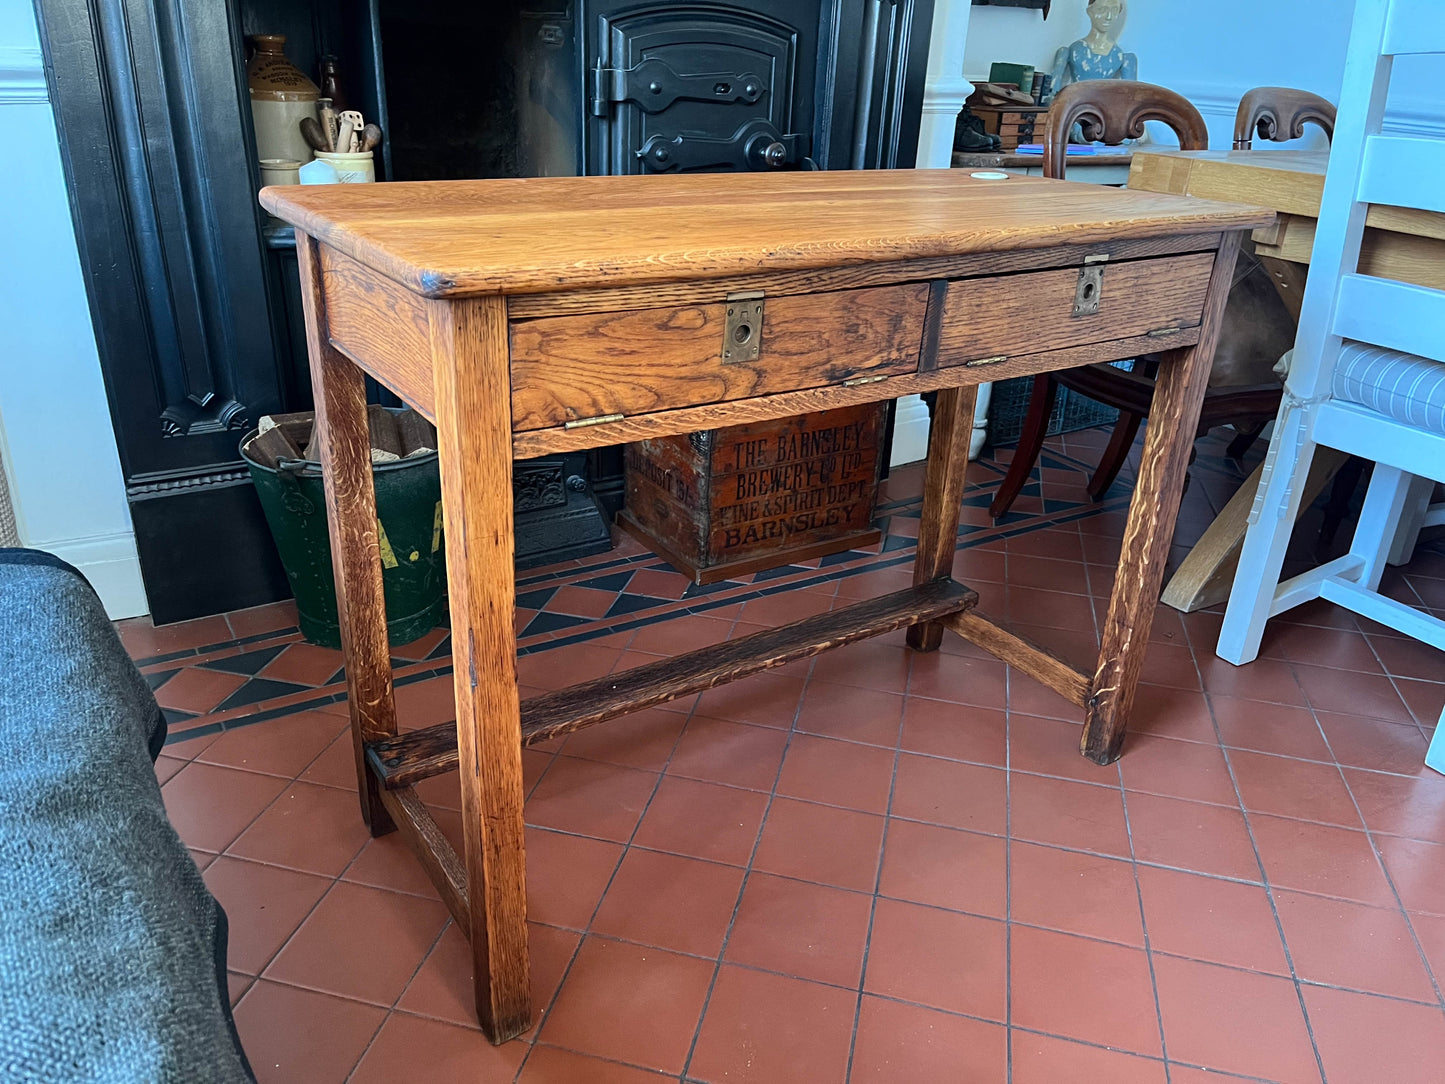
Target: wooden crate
[[728, 502], [1013, 126]]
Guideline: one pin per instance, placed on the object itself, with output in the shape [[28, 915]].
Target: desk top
[[1291, 182], [540, 235], [1012, 160]]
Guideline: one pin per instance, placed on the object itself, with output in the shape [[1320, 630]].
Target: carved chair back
[[1113, 110], [1279, 114]]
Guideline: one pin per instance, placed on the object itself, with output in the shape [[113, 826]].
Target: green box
[[1020, 75]]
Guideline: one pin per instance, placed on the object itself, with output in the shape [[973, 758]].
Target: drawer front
[[571, 368], [1013, 315]]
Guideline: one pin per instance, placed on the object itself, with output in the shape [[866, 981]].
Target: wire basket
[[1009, 406]]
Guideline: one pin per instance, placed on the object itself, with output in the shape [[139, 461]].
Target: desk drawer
[[1010, 315], [570, 368]]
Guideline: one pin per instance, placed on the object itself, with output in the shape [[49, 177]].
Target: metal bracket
[[1086, 293], [743, 327], [653, 85], [756, 146], [601, 419]]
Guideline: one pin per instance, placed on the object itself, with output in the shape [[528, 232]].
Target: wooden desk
[[1402, 244], [535, 316], [1094, 168]]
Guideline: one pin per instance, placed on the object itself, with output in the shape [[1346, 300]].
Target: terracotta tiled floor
[[871, 866]]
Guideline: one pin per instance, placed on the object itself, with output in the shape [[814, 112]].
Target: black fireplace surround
[[194, 297]]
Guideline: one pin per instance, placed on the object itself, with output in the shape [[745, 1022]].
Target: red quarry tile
[[1171, 665], [283, 746], [943, 867], [442, 987], [1341, 650], [644, 739], [1401, 805], [765, 699], [1045, 574], [703, 820], [1048, 608], [581, 601], [897, 1042], [1042, 1059], [1370, 695], [328, 954], [1061, 544], [1375, 745], [1408, 658], [1056, 982], [806, 930], [837, 773], [1029, 697], [1269, 728], [1192, 836], [870, 664], [210, 806], [676, 903], [1294, 788], [1320, 858], [1051, 747], [1430, 929], [937, 958], [143, 640], [198, 690], [566, 876], [853, 714], [1068, 814], [405, 1043], [959, 679], [820, 843], [387, 862], [272, 617], [166, 767], [950, 793], [425, 703], [311, 828], [304, 664], [422, 646], [1222, 922], [1418, 870], [1266, 680], [737, 754], [956, 731], [768, 1027], [1178, 769], [1424, 699], [291, 1034], [1338, 943], [1234, 1021], [336, 764], [630, 1003], [1171, 713], [788, 606], [590, 798], [237, 985], [564, 666], [551, 1065], [679, 634], [1075, 893], [1365, 1040], [264, 906]]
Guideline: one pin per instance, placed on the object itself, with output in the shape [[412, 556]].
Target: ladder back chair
[[1368, 373], [1243, 390]]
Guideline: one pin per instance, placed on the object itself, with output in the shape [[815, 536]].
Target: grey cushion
[[1407, 388]]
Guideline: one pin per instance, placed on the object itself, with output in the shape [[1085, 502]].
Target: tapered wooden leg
[[1031, 442], [1112, 461], [1168, 441], [948, 442], [339, 388], [474, 431]]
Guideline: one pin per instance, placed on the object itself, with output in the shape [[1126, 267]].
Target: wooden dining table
[[1400, 243], [527, 317]]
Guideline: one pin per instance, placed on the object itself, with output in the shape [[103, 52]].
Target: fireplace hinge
[[653, 85]]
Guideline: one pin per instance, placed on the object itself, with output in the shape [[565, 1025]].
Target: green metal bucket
[[413, 557]]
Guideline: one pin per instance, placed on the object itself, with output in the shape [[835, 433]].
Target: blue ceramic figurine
[[1097, 55]]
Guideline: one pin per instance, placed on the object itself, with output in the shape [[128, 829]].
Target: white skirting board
[[910, 428], [111, 565]]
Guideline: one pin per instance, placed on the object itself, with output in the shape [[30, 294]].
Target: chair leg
[[1417, 508], [1112, 461], [1262, 555], [1385, 503], [1031, 441], [1342, 491], [1244, 440], [1435, 755]]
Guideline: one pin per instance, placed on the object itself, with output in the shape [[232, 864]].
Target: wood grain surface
[[566, 368], [948, 443], [984, 318], [540, 235]]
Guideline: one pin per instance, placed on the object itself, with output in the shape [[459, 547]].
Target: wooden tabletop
[[1012, 160], [465, 238]]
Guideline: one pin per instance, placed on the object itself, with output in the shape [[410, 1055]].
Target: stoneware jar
[[281, 96], [357, 168]]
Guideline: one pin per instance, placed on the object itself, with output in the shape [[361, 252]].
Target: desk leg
[[339, 388], [474, 428], [948, 442], [1168, 441]]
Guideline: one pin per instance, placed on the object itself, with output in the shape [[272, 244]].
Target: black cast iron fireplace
[[194, 296]]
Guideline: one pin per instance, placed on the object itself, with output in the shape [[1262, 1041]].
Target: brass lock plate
[[1086, 293], [743, 327]]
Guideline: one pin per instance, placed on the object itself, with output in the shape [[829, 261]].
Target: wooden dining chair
[[1243, 390], [1279, 114]]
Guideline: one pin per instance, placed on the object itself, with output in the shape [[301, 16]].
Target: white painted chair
[[1368, 375]]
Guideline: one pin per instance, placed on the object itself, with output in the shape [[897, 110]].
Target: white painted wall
[[56, 436], [1212, 52]]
